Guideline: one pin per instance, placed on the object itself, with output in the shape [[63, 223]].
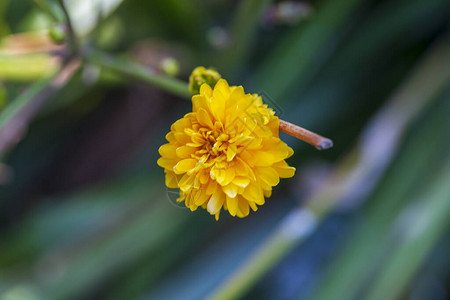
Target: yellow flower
[[226, 153]]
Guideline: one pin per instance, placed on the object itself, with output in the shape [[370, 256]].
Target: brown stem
[[318, 141]]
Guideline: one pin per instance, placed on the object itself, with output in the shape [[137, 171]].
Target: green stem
[[16, 117], [132, 69], [72, 40]]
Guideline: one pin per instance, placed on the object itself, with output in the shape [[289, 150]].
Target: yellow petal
[[274, 126], [171, 136], [223, 176], [241, 181], [166, 163], [201, 197], [263, 184], [219, 99], [205, 90], [211, 188], [184, 165], [231, 190], [182, 138], [290, 151], [243, 169], [204, 177], [181, 124], [253, 205], [168, 151], [254, 193], [190, 202], [261, 158], [215, 202], [181, 197], [236, 95], [232, 205], [268, 175], [186, 182], [231, 152], [243, 207], [185, 151], [274, 150], [283, 169], [204, 118], [199, 101], [171, 180], [197, 140], [196, 184], [223, 87]]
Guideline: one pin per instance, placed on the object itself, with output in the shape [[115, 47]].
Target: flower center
[[210, 146]]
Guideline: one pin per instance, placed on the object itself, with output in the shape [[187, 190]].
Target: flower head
[[226, 153]]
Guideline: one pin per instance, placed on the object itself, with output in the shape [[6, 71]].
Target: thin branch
[[129, 68], [72, 40], [318, 141], [15, 119]]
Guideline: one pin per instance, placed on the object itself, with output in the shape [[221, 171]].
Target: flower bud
[[170, 66], [57, 34], [201, 75]]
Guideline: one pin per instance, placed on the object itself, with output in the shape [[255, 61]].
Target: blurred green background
[[84, 211]]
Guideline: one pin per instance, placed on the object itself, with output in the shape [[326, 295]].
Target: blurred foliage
[[84, 210]]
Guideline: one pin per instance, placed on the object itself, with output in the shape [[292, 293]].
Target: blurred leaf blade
[[416, 236], [242, 30], [295, 53], [358, 259]]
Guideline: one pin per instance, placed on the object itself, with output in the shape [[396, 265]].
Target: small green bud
[[201, 75], [57, 34], [170, 66]]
